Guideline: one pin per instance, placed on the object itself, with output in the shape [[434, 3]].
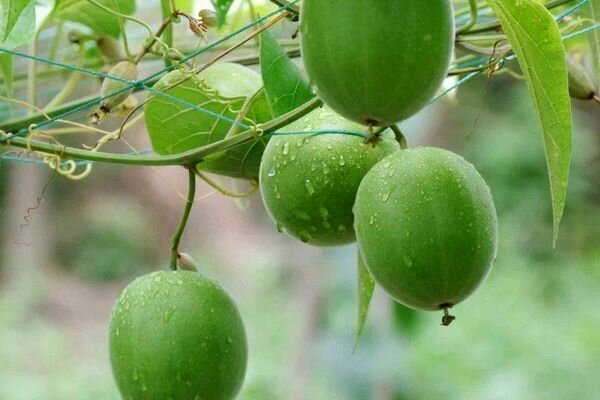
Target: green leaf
[[536, 41], [175, 125], [22, 30], [11, 12], [6, 69], [98, 20], [222, 7], [285, 86], [366, 287], [592, 10], [185, 5]]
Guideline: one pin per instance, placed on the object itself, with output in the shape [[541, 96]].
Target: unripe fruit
[[427, 228], [308, 181], [125, 70], [377, 62], [179, 336]]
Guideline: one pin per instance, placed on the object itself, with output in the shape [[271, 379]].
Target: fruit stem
[[447, 318], [400, 138], [184, 218]]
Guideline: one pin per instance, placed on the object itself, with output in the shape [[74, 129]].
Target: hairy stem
[[472, 20], [168, 9], [187, 158], [184, 218]]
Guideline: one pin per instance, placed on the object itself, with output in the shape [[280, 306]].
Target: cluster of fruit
[[423, 218]]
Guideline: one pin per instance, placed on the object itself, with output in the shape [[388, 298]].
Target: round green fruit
[[377, 62], [177, 335], [308, 181], [176, 124], [426, 226]]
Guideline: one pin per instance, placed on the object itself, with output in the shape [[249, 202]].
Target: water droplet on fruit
[[286, 149], [135, 375], [280, 228], [168, 315], [342, 161], [305, 236], [309, 187], [342, 229], [303, 215], [323, 211], [271, 172], [386, 195]]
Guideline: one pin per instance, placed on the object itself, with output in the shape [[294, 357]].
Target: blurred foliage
[[107, 242]]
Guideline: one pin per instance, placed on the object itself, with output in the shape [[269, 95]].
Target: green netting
[[143, 83]]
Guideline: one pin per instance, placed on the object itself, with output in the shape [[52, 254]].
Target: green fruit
[[178, 336], [223, 89], [427, 228], [377, 62], [308, 182]]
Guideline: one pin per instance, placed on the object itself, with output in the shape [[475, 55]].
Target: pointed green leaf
[[22, 30], [97, 19], [11, 12], [366, 287], [222, 8], [536, 41], [6, 70], [202, 110], [285, 86]]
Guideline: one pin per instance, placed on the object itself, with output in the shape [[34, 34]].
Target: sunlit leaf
[[6, 70], [366, 287], [23, 29], [201, 110], [98, 20], [222, 8], [11, 12], [536, 41], [284, 84]]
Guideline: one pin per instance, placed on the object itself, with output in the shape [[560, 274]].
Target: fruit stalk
[[184, 218]]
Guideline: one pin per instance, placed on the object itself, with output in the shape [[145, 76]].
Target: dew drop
[[309, 187], [323, 211], [305, 236]]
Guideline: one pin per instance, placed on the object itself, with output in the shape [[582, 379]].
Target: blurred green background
[[532, 331]]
